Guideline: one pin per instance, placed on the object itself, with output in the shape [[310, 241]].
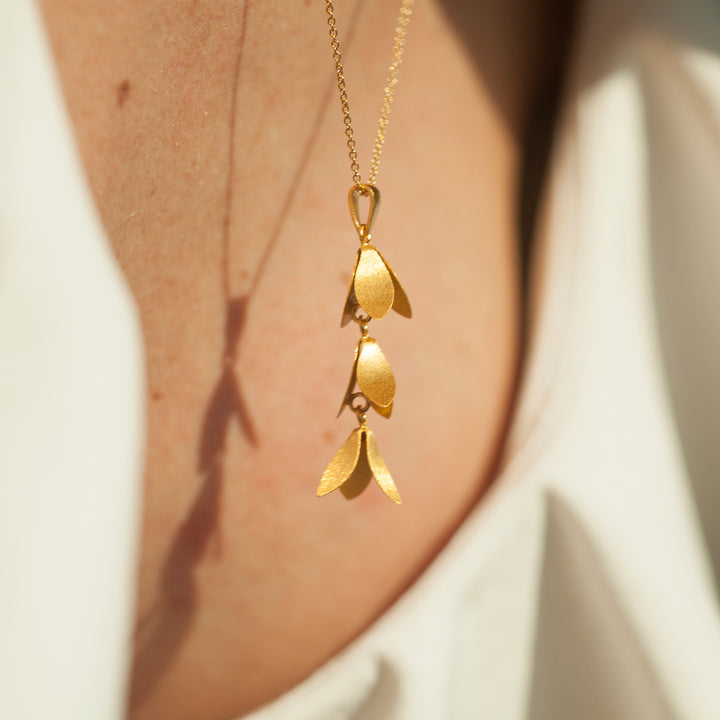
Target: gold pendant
[[374, 291]]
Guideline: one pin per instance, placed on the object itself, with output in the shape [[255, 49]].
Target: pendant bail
[[371, 192]]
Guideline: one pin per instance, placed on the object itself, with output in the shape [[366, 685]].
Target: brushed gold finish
[[374, 287], [379, 469], [354, 464], [348, 397], [401, 302], [372, 284], [342, 465], [351, 302], [359, 480], [374, 290], [374, 376], [386, 412]]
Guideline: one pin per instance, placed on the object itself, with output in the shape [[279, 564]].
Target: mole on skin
[[123, 91]]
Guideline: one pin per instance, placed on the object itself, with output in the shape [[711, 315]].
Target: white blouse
[[581, 588]]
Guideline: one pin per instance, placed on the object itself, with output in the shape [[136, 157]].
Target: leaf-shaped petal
[[360, 478], [373, 284], [351, 384], [379, 468], [342, 465], [401, 304], [374, 376], [351, 301], [386, 412]]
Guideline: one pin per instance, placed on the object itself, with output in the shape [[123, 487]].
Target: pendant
[[374, 291]]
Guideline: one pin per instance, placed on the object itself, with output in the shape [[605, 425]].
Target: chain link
[[391, 83]]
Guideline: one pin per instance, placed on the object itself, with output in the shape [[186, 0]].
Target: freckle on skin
[[123, 90]]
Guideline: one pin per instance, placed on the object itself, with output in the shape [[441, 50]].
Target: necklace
[[374, 291]]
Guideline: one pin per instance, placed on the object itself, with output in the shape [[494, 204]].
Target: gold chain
[[391, 83]]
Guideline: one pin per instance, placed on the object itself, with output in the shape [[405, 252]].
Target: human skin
[[213, 143]]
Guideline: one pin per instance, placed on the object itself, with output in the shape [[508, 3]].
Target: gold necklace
[[374, 291]]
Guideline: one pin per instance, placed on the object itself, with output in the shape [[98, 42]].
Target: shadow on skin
[[161, 633]]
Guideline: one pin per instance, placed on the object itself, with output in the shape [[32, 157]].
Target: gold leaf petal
[[386, 412], [379, 468], [374, 376], [351, 301], [342, 465], [351, 384], [360, 478], [401, 303], [373, 284]]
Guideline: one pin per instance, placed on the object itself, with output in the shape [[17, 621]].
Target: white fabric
[[71, 410], [581, 587]]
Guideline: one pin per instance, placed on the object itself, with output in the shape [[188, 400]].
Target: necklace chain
[[391, 83]]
